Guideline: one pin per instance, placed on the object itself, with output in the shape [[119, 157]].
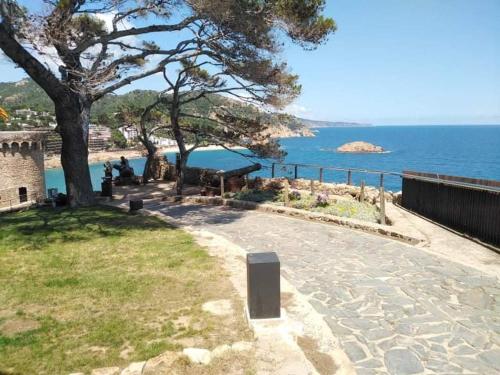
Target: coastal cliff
[[283, 131]]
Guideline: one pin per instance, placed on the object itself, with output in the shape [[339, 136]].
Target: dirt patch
[[287, 299], [14, 327], [322, 362]]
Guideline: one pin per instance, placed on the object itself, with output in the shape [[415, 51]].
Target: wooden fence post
[[349, 177], [272, 170], [286, 196], [382, 206], [321, 175], [296, 172], [362, 191], [312, 187], [222, 185], [381, 180]]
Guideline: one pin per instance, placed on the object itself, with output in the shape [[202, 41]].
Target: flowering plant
[[322, 199], [294, 195]]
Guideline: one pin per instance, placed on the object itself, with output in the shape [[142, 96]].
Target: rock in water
[[359, 147]]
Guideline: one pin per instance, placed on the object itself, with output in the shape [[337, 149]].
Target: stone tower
[[22, 178]]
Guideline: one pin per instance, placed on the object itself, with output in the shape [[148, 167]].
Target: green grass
[[81, 286]]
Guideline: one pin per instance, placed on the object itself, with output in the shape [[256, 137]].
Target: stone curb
[[303, 309], [307, 215]]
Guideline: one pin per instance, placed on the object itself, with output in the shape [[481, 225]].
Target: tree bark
[[73, 115], [180, 172], [149, 167]]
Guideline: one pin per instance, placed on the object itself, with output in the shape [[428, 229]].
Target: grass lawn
[[96, 287]]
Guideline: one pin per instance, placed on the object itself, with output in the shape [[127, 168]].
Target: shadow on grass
[[34, 229]]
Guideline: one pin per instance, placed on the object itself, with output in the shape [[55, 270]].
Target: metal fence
[[469, 206], [347, 175]]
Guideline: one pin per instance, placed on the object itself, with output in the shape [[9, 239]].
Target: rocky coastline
[[360, 147]]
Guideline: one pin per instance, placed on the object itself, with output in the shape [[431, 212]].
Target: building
[[99, 140], [53, 143], [22, 181], [99, 137], [129, 132], [163, 142]]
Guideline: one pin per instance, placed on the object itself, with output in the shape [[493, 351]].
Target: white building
[[129, 132], [159, 141]]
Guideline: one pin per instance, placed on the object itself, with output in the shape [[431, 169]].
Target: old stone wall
[[22, 176]]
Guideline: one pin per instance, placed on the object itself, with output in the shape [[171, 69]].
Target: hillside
[[27, 94], [330, 124]]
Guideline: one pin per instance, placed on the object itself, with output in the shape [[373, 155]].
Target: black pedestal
[[106, 188], [263, 285], [136, 204]]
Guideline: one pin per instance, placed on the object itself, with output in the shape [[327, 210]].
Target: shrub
[[322, 199], [294, 195], [254, 195]]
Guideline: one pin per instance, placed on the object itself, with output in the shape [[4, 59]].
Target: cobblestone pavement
[[394, 308]]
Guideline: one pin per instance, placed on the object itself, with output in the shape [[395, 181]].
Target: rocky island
[[360, 147]]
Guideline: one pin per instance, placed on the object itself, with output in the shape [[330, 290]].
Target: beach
[[102, 156]]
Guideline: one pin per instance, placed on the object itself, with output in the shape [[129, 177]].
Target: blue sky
[[395, 62]]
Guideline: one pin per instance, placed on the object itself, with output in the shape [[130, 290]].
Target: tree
[[94, 60], [3, 115], [146, 121], [118, 139]]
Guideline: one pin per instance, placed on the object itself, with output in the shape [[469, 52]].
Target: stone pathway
[[395, 308]]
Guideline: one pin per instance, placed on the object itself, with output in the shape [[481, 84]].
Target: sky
[[394, 62]]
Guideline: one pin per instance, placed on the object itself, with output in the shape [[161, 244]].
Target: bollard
[[135, 204], [321, 175], [349, 177], [362, 192], [272, 170], [263, 285], [381, 180], [382, 206], [296, 172]]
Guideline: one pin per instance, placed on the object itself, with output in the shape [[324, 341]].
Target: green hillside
[[27, 94]]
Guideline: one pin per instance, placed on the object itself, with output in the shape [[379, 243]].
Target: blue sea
[[471, 151]]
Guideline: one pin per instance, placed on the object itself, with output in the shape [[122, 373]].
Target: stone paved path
[[395, 308]]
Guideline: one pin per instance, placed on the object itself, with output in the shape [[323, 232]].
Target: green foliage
[[256, 195], [118, 139], [306, 201]]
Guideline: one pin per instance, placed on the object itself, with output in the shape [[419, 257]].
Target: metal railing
[[322, 169], [469, 206]]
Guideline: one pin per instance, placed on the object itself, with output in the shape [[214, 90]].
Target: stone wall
[[21, 167]]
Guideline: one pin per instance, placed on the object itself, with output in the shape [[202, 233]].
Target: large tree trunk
[[73, 115], [180, 170], [149, 167]]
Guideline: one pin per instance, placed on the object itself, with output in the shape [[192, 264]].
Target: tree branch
[[39, 73]]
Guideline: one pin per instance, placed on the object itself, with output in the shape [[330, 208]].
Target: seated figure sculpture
[[124, 168]]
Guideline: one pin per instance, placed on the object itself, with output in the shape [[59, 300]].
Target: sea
[[468, 150]]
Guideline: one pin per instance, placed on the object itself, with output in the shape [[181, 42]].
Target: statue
[[108, 170], [124, 168]]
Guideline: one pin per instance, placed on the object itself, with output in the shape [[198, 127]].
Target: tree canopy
[[80, 50]]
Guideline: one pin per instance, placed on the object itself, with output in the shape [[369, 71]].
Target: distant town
[[101, 137]]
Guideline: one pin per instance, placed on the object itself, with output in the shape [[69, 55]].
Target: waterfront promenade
[[394, 308]]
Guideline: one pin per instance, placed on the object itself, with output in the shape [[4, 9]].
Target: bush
[[254, 195], [294, 195], [322, 200]]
